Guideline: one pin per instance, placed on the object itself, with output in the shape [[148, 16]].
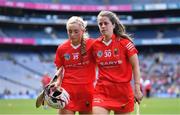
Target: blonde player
[[75, 56]]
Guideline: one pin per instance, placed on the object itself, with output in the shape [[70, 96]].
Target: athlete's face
[[75, 32], [105, 26]]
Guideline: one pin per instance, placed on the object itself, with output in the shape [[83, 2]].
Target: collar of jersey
[[109, 42], [75, 47]]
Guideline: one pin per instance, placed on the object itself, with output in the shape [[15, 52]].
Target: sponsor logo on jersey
[[80, 64], [99, 53], [107, 63], [66, 56]]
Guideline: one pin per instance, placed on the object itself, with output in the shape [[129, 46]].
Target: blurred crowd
[[160, 74]]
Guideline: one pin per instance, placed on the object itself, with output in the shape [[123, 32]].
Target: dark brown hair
[[119, 29]]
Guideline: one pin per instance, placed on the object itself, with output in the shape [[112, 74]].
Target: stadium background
[[30, 31]]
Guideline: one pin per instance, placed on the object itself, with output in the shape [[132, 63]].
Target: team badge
[[116, 51], [66, 56], [99, 54]]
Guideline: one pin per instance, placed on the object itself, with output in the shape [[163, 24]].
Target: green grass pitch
[[148, 106]]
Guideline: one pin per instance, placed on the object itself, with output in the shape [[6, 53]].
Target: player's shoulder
[[125, 41], [64, 45], [98, 40], [90, 40]]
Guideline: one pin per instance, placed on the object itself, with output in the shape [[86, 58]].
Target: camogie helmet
[[56, 98]]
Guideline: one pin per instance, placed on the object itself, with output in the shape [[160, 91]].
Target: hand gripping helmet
[[56, 98]]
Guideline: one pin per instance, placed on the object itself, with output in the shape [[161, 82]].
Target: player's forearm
[[136, 69], [137, 75], [59, 69], [59, 75]]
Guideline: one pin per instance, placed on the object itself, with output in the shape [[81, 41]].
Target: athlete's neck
[[75, 43], [107, 38]]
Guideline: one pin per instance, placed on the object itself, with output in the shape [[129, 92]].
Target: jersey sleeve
[[90, 42], [58, 57], [129, 47]]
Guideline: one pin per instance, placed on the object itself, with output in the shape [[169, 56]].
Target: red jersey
[[77, 69], [113, 59]]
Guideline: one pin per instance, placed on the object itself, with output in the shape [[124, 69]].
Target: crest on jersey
[[115, 51], [99, 53], [66, 56]]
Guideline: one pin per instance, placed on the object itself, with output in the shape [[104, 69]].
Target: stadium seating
[[165, 69], [17, 75]]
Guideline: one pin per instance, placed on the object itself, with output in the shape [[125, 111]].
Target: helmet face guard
[[56, 98]]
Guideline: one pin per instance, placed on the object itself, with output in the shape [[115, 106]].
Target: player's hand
[[54, 84], [138, 96]]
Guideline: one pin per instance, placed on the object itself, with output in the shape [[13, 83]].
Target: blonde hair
[[119, 29], [83, 25]]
